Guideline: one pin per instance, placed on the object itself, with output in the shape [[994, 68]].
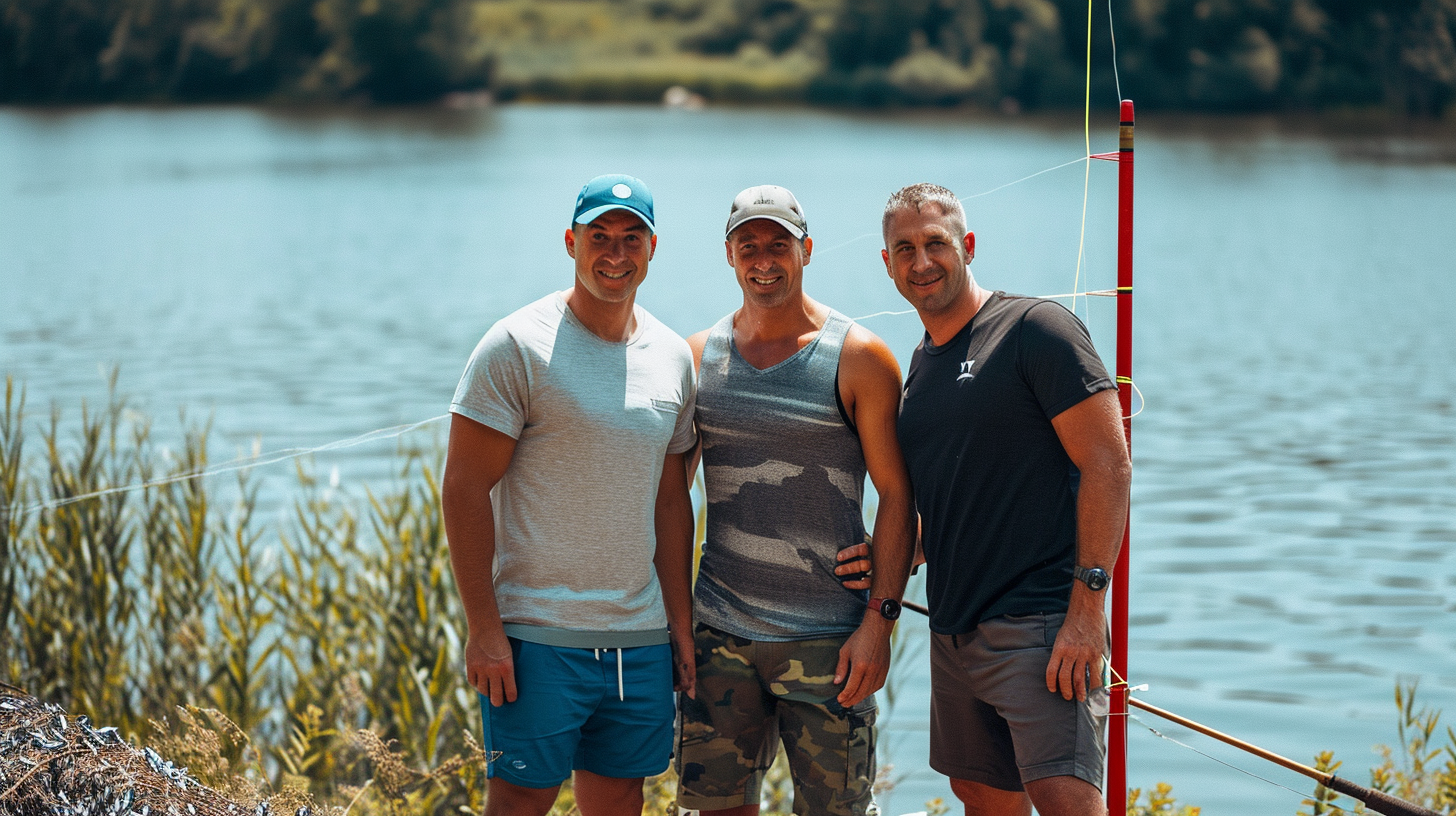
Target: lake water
[[306, 278]]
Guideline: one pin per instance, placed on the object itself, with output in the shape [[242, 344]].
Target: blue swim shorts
[[582, 709]]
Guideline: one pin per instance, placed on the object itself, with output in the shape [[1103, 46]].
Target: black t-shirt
[[995, 490]]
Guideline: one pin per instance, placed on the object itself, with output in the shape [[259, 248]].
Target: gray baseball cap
[[771, 202]]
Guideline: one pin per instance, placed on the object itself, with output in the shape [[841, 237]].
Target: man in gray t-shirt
[[570, 527]]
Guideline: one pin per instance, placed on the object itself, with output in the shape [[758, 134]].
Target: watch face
[[1095, 578], [890, 608]]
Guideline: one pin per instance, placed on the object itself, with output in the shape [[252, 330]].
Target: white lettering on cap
[[622, 191]]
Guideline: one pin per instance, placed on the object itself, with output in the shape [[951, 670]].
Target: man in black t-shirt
[[1012, 432]]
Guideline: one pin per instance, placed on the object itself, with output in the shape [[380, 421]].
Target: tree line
[[387, 51], [1222, 55], [1219, 55]]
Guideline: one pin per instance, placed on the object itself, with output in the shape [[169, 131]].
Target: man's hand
[[490, 668], [1091, 434], [1076, 663], [855, 560], [684, 664], [864, 660]]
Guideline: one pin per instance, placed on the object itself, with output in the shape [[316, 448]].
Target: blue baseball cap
[[614, 191]]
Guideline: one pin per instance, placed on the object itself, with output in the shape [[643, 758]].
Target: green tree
[[48, 49], [777, 25], [394, 51]]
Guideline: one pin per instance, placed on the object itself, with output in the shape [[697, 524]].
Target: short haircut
[[800, 240], [915, 197]]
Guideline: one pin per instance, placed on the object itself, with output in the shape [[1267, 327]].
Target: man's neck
[[767, 336], [614, 322], [944, 325]]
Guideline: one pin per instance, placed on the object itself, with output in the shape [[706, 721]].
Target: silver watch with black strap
[[1095, 578]]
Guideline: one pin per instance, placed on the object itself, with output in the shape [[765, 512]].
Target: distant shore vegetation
[[1397, 56]]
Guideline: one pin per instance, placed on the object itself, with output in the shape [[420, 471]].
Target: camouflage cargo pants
[[751, 694]]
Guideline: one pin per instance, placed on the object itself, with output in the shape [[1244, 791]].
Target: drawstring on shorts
[[621, 693]]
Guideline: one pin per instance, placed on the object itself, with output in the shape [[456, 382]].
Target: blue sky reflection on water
[[306, 278]]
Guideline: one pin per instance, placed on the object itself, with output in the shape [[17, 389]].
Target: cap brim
[[597, 212], [794, 229]]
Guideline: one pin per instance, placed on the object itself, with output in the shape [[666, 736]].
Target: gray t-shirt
[[574, 513]]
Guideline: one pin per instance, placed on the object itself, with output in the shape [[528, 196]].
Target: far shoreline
[[1334, 123]]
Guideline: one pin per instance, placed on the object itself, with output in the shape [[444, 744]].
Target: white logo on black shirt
[[966, 371]]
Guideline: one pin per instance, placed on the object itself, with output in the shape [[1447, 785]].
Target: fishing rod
[[1375, 800]]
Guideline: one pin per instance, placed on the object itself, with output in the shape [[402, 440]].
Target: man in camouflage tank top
[[796, 403]]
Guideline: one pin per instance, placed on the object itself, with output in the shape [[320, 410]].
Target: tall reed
[[300, 632]]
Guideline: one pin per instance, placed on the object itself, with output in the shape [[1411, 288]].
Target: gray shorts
[[992, 719]]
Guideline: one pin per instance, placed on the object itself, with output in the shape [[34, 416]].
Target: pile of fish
[[55, 764]]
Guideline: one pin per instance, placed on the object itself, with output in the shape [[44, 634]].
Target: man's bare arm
[[674, 563], [870, 388], [476, 460], [1091, 433]]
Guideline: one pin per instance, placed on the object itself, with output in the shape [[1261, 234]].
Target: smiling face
[[927, 258], [768, 261], [611, 255]]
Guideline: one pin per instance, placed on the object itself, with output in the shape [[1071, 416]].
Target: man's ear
[[571, 242], [885, 256], [970, 246], [652, 246], [808, 249], [728, 251]]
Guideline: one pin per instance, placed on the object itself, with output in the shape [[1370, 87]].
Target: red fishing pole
[[1117, 722]]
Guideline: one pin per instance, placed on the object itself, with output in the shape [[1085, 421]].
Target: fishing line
[[1142, 402], [963, 200], [1094, 293], [1161, 735], [1028, 178], [242, 463], [1122, 683], [846, 243], [272, 457], [1112, 32], [883, 314], [1087, 169]]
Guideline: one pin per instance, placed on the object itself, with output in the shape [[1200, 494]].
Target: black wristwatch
[[1095, 578], [889, 608]]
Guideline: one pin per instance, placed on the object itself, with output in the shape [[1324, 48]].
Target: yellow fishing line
[[1087, 171]]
